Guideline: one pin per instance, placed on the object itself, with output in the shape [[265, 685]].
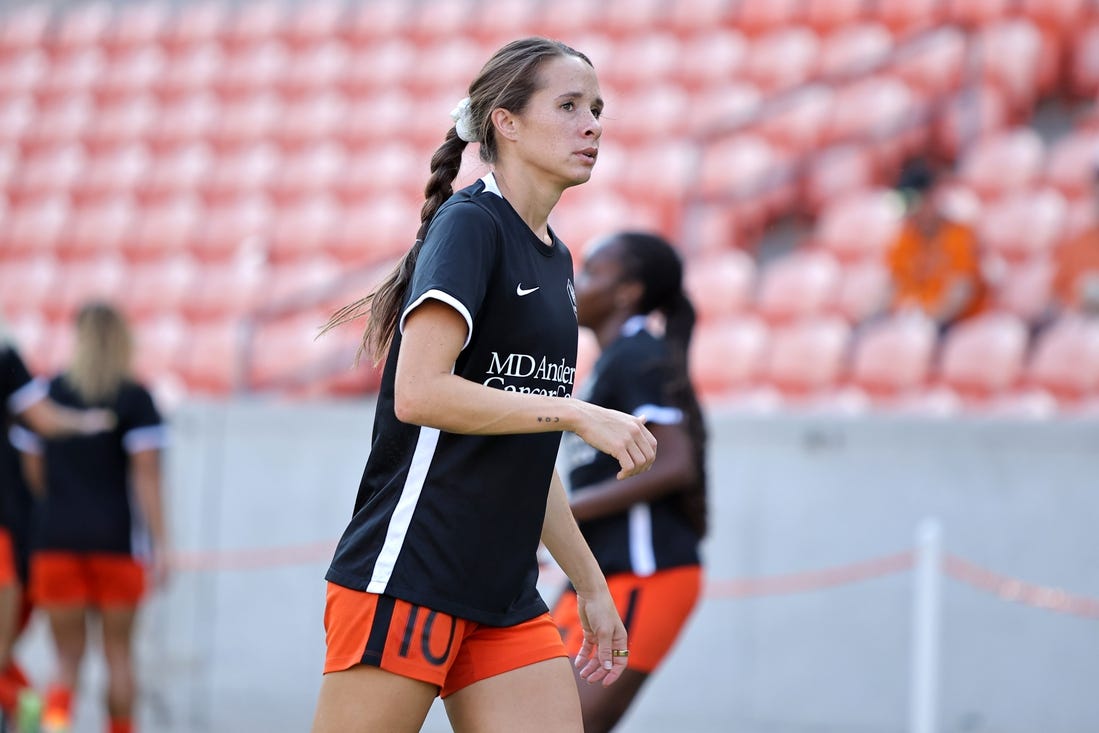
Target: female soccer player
[[432, 587], [88, 541], [644, 530]]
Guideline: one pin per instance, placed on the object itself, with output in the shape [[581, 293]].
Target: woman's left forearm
[[563, 539]]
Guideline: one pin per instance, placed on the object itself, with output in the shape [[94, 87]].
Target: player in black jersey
[[432, 590], [644, 530], [25, 401], [99, 523]]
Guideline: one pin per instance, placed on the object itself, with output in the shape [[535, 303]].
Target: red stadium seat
[[1003, 162], [1062, 15], [385, 168], [381, 227], [709, 57], [211, 358], [1073, 162], [22, 74], [863, 291], [130, 74], [625, 19], [877, 107], [16, 119], [72, 73], [49, 172], [728, 355], [35, 226], [225, 292], [688, 17], [60, 122], [102, 278], [782, 58], [233, 227], [315, 23], [435, 20], [967, 117], [190, 71], [128, 121], [315, 69], [893, 358], [1065, 362], [160, 343], [723, 107], [762, 16], [976, 13], [158, 288], [97, 229], [837, 172], [808, 357], [137, 26], [855, 49], [26, 283], [641, 59], [499, 21], [1026, 289], [799, 285], [255, 22], [455, 63], [861, 225], [23, 28], [933, 64], [1012, 56], [1023, 225], [303, 229], [646, 114], [720, 284], [164, 228], [242, 172], [185, 122], [311, 120], [197, 23], [80, 27], [181, 170], [983, 357], [380, 68], [828, 15], [252, 69], [1083, 64], [566, 18], [797, 122], [284, 354], [378, 21], [310, 171]]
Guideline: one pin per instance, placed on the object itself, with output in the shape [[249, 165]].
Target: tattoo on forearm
[[549, 419]]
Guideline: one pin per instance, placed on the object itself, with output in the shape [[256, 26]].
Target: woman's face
[[558, 132], [597, 286]]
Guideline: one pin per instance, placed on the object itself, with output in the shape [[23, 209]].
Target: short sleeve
[[140, 421], [641, 385], [456, 262], [17, 388]]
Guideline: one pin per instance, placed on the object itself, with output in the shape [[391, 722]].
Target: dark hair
[[507, 80], [652, 261]]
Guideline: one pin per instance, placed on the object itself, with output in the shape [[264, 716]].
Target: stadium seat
[[48, 172], [380, 69], [933, 63], [1083, 64], [310, 120], [303, 228], [23, 28], [966, 117], [255, 22], [59, 122], [499, 21], [16, 118], [1072, 164], [836, 172], [300, 280], [26, 282], [22, 74], [876, 107], [566, 18], [315, 69], [312, 170], [97, 229], [863, 291], [782, 58], [435, 20], [284, 353], [211, 357], [374, 22], [646, 114], [983, 357], [313, 24], [798, 119], [626, 19], [164, 227], [711, 56], [976, 13], [178, 171], [190, 72], [160, 343], [1003, 162], [455, 63], [828, 15], [242, 172], [801, 284], [720, 284], [252, 69], [73, 73], [387, 167], [807, 357], [100, 278], [381, 227], [186, 121], [723, 107], [728, 355], [196, 24], [581, 218], [855, 49], [232, 227], [1025, 289], [761, 16], [892, 358], [34, 226], [688, 17], [80, 26], [1060, 15], [641, 59], [1023, 225], [126, 121], [137, 27], [1011, 56], [158, 288], [130, 74], [224, 292], [1065, 362]]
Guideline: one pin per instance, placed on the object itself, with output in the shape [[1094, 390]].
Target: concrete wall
[[240, 648]]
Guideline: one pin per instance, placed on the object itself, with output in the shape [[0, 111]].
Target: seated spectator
[[935, 263]]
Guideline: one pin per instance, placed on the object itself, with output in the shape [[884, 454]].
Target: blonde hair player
[[432, 587]]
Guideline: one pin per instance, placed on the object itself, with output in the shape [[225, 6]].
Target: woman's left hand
[[603, 632]]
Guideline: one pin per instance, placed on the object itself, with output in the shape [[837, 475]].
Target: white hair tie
[[463, 124]]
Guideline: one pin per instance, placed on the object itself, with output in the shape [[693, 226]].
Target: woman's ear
[[628, 294], [503, 121]]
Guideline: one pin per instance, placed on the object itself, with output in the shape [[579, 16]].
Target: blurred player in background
[[24, 400], [100, 521], [432, 590], [644, 530]]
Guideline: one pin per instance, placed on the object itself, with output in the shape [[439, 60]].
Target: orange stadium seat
[[723, 107], [720, 284], [728, 355], [1003, 162], [762, 16], [165, 227], [906, 17], [983, 357], [855, 49], [808, 357], [878, 108], [648, 113], [782, 58], [892, 358], [801, 284], [1023, 225]]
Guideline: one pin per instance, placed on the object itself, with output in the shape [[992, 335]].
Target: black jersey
[[18, 391], [88, 507], [452, 522], [631, 375]]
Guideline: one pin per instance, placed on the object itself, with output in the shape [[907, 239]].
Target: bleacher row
[[203, 162]]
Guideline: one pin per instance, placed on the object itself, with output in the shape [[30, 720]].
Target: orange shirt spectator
[[1076, 281], [937, 269]]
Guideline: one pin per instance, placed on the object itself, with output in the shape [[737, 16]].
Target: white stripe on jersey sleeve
[[658, 415], [24, 440], [445, 298], [406, 507], [31, 392], [642, 555], [153, 437]]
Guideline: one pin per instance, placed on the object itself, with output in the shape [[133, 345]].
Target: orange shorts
[[8, 575], [86, 579], [426, 645], [654, 608]]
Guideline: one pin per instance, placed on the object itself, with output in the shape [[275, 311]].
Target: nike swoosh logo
[[521, 291]]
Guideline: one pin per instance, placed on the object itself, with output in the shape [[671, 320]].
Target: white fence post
[[926, 612]]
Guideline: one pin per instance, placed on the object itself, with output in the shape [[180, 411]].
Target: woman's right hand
[[623, 437]]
